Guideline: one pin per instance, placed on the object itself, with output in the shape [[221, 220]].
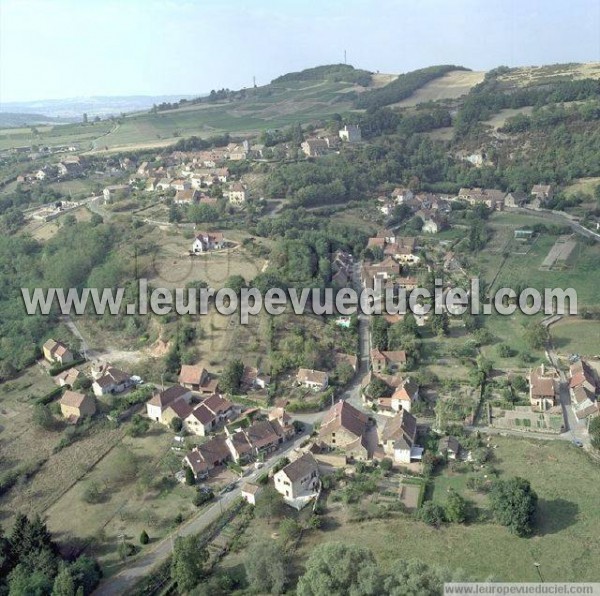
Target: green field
[[523, 270], [280, 106], [576, 336], [564, 544], [65, 134]]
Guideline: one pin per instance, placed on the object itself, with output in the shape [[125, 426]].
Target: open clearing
[[452, 85], [584, 185], [576, 336], [137, 493], [498, 120]]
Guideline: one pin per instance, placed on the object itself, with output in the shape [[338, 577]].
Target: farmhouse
[[74, 406], [205, 241], [161, 400], [398, 438], [313, 379], [344, 427], [543, 390], [298, 482], [56, 351]]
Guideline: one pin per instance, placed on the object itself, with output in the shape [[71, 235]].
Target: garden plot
[[560, 253]]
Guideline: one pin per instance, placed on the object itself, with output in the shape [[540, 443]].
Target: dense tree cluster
[[30, 563], [328, 72]]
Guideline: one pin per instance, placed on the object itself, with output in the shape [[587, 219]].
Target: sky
[[78, 48]]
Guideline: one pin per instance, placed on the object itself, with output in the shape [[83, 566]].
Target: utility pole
[[345, 57]]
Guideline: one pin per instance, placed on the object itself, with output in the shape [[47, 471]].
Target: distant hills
[[72, 109]]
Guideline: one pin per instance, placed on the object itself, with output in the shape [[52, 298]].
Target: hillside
[[303, 97]]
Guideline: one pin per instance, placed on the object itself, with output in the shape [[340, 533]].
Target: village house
[[345, 428], [237, 194], [390, 360], [180, 184], [56, 351], [250, 492], [432, 222], [401, 195], [261, 437], [350, 133], [541, 194], [179, 408], [298, 482], [252, 378], [490, 197], [284, 420], [398, 438], [584, 388], [516, 198], [313, 379], [314, 147], [115, 191], [197, 379], [405, 395], [207, 456], [449, 447], [68, 377], [161, 400], [543, 388], [110, 380], [186, 197], [75, 406], [200, 421], [206, 241]]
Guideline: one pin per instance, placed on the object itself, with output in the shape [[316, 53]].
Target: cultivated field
[[451, 86], [535, 75], [64, 134]]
